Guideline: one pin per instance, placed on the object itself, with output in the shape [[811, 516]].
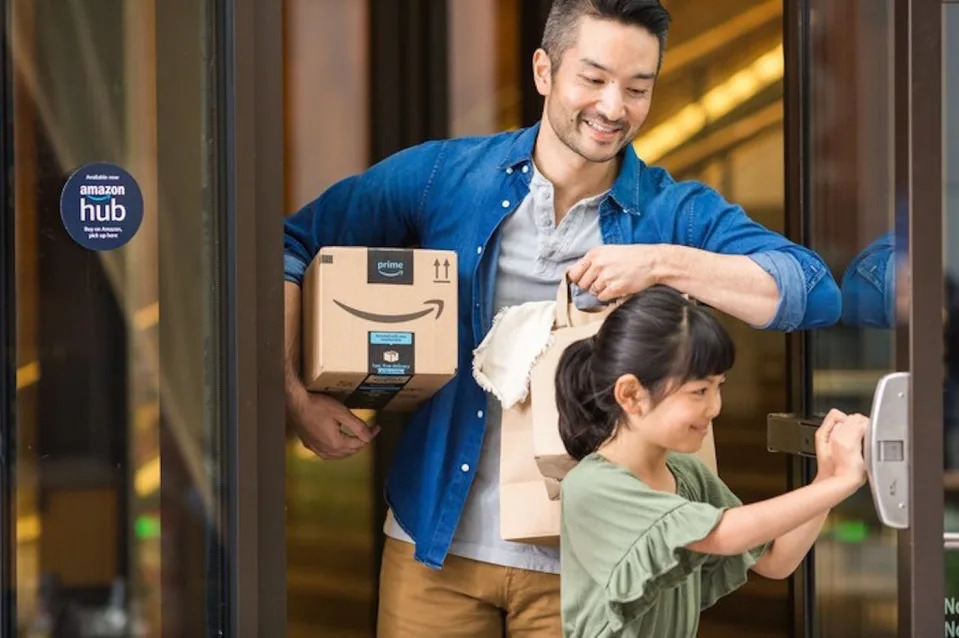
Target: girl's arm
[[785, 553], [790, 519]]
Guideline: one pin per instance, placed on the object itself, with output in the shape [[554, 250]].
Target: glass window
[[849, 221], [117, 512]]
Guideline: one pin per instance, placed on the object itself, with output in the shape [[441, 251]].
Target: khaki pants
[[466, 598]]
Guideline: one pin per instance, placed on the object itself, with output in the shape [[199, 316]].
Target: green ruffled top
[[625, 571]]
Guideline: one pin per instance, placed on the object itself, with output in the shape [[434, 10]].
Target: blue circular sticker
[[101, 206]]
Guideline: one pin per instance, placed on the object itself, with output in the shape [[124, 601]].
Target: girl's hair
[[657, 335]]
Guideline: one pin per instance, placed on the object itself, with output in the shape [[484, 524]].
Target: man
[[521, 209]]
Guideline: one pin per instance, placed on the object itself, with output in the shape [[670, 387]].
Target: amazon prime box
[[379, 325]]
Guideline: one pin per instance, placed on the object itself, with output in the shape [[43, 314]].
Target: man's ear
[[631, 396], [542, 72]]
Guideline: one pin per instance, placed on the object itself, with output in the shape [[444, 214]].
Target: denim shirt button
[[465, 467], [509, 171], [479, 414], [525, 168], [479, 250], [505, 203]]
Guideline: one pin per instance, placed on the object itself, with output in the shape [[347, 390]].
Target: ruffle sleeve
[[658, 561]]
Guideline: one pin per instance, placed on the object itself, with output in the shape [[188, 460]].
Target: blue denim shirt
[[869, 285], [452, 195]]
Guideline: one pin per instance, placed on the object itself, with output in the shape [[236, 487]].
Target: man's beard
[[572, 136]]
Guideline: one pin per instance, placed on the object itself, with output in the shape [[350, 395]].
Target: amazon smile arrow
[[436, 304]]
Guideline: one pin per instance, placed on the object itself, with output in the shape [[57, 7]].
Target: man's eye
[[592, 80]]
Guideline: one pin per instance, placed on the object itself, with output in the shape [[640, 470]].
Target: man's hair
[[564, 15]]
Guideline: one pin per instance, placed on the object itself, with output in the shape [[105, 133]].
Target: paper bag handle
[[568, 315], [564, 301]]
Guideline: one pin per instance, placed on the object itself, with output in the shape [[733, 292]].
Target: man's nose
[[611, 104]]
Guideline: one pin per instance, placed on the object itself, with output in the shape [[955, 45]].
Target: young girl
[[649, 535]]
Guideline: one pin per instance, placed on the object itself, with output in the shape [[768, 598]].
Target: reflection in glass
[[850, 223], [118, 467]]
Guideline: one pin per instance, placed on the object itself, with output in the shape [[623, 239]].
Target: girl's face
[[681, 420]]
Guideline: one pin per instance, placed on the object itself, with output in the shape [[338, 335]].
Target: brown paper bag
[[526, 512], [571, 325], [529, 505], [533, 459]]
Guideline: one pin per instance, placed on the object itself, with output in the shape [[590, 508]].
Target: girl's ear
[[631, 396]]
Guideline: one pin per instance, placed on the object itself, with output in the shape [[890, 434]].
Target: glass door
[[130, 485], [865, 188]]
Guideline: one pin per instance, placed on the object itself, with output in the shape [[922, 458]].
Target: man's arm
[[808, 294], [734, 284], [382, 207], [716, 254]]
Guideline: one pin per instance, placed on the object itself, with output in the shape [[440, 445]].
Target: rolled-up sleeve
[[808, 294], [293, 267], [869, 286], [787, 272]]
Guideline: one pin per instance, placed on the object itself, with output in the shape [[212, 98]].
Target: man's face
[[599, 97]]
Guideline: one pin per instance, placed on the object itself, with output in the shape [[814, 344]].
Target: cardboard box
[[380, 325]]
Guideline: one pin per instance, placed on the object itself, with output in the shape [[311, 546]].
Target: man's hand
[[613, 271], [318, 420]]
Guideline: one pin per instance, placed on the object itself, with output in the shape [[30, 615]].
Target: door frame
[[919, 344], [252, 207]]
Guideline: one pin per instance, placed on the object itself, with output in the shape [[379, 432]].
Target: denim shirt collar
[[626, 188]]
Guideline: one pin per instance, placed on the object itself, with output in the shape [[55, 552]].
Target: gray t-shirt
[[535, 253]]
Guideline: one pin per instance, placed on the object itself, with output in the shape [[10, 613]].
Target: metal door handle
[[885, 448], [791, 434]]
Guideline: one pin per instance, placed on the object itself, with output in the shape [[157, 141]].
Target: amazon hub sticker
[[101, 206]]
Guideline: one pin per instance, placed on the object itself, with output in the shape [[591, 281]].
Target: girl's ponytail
[[583, 423]]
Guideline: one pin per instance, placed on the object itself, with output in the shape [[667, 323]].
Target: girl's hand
[[826, 465], [845, 445]]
